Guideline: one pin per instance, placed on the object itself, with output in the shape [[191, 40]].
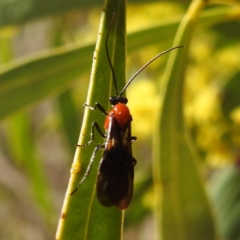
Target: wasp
[[116, 169]]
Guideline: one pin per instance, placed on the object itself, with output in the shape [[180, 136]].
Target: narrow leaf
[[226, 198], [182, 204], [82, 215], [26, 82]]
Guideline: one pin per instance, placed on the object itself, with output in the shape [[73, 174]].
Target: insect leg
[[89, 167], [94, 125], [96, 105]]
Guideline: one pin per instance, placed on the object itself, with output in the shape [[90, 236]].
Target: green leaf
[[82, 215], [182, 208], [226, 195], [23, 151], [18, 11], [27, 82]]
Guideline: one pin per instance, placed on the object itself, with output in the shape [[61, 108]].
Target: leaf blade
[[184, 208], [27, 82], [95, 221]]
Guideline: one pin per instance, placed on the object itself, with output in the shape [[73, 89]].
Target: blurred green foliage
[[45, 62]]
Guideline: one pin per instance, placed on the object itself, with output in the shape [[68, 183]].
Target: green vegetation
[[185, 109]]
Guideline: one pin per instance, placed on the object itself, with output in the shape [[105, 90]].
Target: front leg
[[96, 105]]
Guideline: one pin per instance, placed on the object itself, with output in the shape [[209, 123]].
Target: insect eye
[[113, 100], [124, 100]]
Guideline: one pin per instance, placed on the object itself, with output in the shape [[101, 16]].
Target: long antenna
[[142, 68], [108, 57]]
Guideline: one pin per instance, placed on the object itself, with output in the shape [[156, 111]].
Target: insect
[[116, 169]]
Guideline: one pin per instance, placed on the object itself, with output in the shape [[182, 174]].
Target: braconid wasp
[[116, 168]]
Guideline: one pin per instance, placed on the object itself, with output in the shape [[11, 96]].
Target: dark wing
[[116, 169]]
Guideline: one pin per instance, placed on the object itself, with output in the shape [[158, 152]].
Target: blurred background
[[38, 136]]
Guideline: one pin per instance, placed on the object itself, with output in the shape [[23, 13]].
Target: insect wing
[[116, 169]]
